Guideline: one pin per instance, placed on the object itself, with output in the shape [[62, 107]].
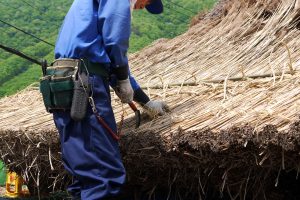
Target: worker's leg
[[75, 189], [88, 150]]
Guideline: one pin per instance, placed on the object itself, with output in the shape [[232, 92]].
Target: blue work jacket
[[98, 30]]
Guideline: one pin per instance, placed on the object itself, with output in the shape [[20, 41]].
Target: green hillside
[[43, 18]]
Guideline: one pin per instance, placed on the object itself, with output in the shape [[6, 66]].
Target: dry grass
[[244, 38]]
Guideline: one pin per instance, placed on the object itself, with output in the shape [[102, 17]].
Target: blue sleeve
[[114, 25], [133, 82]]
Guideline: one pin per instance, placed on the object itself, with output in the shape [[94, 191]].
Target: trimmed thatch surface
[[232, 82]]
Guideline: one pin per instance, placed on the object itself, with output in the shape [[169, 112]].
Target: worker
[[95, 33]]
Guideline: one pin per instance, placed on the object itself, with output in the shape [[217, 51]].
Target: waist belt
[[99, 69]]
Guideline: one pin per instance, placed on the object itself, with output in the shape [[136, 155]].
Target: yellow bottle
[[15, 186]]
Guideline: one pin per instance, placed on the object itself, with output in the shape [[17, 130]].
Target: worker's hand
[[124, 90], [155, 108]]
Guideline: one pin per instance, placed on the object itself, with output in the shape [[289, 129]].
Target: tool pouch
[[80, 97], [57, 86]]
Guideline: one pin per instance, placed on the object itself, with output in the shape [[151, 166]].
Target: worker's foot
[[118, 198], [74, 197]]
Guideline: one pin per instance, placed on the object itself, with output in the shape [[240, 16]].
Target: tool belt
[[62, 78], [65, 86]]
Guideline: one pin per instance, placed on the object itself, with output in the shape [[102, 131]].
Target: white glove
[[124, 90], [154, 108]]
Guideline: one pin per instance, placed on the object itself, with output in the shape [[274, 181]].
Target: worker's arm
[[152, 108], [139, 95], [114, 25]]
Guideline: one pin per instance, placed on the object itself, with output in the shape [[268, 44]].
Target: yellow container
[[15, 186]]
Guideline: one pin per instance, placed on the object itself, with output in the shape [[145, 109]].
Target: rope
[[27, 33]]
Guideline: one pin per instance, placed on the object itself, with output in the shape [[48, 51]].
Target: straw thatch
[[232, 83]]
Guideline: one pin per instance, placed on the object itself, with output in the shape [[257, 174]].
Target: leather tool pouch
[[57, 85]]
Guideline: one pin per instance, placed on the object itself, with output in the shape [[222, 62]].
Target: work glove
[[155, 108], [124, 90]]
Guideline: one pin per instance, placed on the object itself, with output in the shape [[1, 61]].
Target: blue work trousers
[[89, 152]]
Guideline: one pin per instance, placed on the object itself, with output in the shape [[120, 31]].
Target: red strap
[[104, 124]]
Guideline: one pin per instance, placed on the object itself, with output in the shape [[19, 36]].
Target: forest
[[42, 19]]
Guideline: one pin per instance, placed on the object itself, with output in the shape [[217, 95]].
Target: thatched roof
[[232, 82]]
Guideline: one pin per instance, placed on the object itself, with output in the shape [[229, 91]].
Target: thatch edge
[[146, 154]]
